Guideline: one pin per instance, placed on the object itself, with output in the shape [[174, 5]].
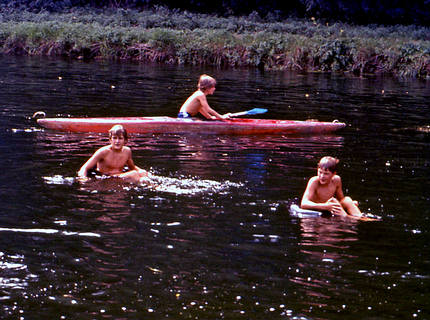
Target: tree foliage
[[386, 12]]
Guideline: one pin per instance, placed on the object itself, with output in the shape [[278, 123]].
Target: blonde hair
[[118, 130], [206, 82], [328, 163]]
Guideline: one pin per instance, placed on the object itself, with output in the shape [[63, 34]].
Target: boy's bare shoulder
[[196, 94], [104, 149], [313, 181], [336, 179], [199, 94]]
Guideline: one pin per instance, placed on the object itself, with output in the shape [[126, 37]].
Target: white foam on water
[[50, 231], [179, 186], [59, 179], [189, 186]]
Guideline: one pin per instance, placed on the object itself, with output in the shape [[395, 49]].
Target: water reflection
[[325, 246], [17, 272]]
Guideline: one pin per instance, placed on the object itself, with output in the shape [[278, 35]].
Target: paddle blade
[[256, 111], [249, 112]]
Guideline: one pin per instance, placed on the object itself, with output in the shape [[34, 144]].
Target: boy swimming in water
[[110, 160], [197, 102], [324, 192]]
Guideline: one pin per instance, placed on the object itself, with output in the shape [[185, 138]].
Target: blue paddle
[[249, 112]]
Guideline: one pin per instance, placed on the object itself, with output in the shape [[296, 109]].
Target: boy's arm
[[132, 166], [207, 111], [306, 202], [339, 193], [91, 163], [130, 162]]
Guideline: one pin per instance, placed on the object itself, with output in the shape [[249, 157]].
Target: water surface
[[214, 239]]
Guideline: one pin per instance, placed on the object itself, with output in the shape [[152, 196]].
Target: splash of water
[[59, 179], [179, 186], [189, 185]]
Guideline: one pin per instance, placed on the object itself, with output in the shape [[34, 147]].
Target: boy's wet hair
[[328, 163], [118, 130], [206, 82]]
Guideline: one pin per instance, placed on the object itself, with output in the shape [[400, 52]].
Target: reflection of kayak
[[296, 211], [174, 125]]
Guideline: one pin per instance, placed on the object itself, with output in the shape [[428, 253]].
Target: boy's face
[[117, 141], [325, 175], [210, 90]]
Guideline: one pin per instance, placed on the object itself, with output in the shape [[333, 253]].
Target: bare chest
[[113, 163], [325, 192]]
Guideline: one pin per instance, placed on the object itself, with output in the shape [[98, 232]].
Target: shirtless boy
[[324, 192], [110, 160], [197, 102]]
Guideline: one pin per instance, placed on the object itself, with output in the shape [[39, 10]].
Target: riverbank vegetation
[[180, 37]]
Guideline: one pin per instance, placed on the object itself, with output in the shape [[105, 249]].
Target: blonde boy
[[110, 160], [197, 102], [324, 191]]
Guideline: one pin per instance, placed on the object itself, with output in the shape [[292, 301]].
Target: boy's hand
[[335, 207], [82, 176], [142, 172], [82, 179]]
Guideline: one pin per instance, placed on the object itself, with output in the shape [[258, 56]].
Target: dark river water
[[214, 239]]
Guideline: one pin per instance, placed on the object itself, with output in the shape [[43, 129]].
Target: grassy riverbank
[[174, 37]]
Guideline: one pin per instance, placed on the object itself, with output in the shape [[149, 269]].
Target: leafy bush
[[173, 36]]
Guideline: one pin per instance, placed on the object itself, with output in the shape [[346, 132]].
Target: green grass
[[176, 37]]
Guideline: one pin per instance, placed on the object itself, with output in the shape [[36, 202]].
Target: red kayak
[[175, 125]]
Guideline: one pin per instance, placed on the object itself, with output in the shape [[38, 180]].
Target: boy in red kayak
[[197, 102], [324, 192], [110, 160]]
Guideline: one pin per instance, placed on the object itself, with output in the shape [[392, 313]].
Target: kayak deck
[[174, 125]]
